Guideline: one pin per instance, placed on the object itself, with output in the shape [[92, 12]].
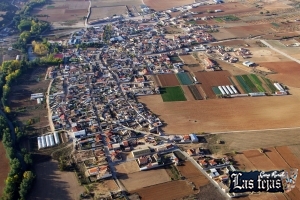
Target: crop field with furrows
[[195, 92], [172, 94], [212, 79], [167, 80], [253, 83], [187, 93]]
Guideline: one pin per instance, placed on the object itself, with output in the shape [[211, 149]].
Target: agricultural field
[[102, 189], [167, 80], [4, 166], [191, 173], [164, 5], [144, 179], [195, 92], [166, 191], [27, 111], [172, 94], [286, 72], [211, 79], [234, 114], [184, 78], [187, 93], [51, 183], [63, 12], [188, 60], [127, 167]]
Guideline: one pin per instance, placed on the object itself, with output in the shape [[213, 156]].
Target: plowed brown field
[[287, 72], [210, 79], [262, 162], [167, 80], [243, 163], [165, 191], [278, 161], [187, 93]]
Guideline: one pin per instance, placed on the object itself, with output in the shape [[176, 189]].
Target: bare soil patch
[[278, 161], [260, 160], [287, 72], [103, 188], [243, 163], [188, 60], [165, 191], [168, 80], [251, 30], [127, 167], [164, 5], [102, 12], [227, 114], [211, 79], [187, 93], [50, 183], [142, 179], [4, 166]]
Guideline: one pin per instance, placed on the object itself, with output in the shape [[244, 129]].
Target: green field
[[184, 78], [243, 84], [270, 85], [255, 80], [216, 91], [251, 83], [227, 18], [172, 94]]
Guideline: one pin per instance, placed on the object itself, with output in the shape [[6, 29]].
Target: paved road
[[282, 53]]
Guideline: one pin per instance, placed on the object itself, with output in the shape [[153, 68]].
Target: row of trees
[[20, 177]]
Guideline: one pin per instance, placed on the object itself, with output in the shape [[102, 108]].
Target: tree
[[26, 184], [24, 25], [7, 109]]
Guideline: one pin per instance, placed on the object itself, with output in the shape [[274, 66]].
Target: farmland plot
[[195, 92], [184, 78], [172, 94], [4, 166], [164, 5], [212, 79], [167, 80], [187, 93]]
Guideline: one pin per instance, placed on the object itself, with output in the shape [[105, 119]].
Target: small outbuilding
[[194, 138]]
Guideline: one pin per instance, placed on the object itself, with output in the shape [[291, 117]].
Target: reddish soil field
[[262, 162], [4, 166], [227, 8], [254, 30], [287, 72], [243, 163], [288, 156], [166, 191], [252, 153], [167, 80], [278, 161], [210, 79], [164, 5]]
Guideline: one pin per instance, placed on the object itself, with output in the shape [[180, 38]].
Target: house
[[194, 138], [214, 173], [142, 160], [140, 152], [203, 163], [249, 64], [191, 152], [212, 162]]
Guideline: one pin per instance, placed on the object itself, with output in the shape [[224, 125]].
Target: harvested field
[[188, 60], [242, 163], [184, 78], [155, 79], [127, 167], [51, 183], [103, 188], [233, 114], [63, 11], [195, 92], [143, 179], [288, 156], [211, 79], [165, 191], [259, 160], [102, 12], [287, 72], [4, 166], [28, 112], [168, 80], [172, 94], [187, 93], [278, 161], [189, 171], [164, 5]]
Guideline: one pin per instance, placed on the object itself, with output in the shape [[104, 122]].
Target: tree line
[[20, 176]]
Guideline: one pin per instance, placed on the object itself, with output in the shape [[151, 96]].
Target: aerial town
[[155, 101]]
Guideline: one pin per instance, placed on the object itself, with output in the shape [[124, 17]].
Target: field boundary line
[[257, 130], [282, 157]]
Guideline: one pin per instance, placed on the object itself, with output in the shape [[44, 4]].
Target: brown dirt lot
[[243, 163], [287, 72], [210, 79], [187, 93], [189, 171], [168, 80], [188, 59], [50, 183], [4, 166], [260, 161], [254, 30], [164, 5], [127, 167], [233, 114], [165, 191], [275, 157], [142, 179], [19, 99]]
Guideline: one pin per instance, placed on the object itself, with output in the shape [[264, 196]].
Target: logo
[[261, 181]]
